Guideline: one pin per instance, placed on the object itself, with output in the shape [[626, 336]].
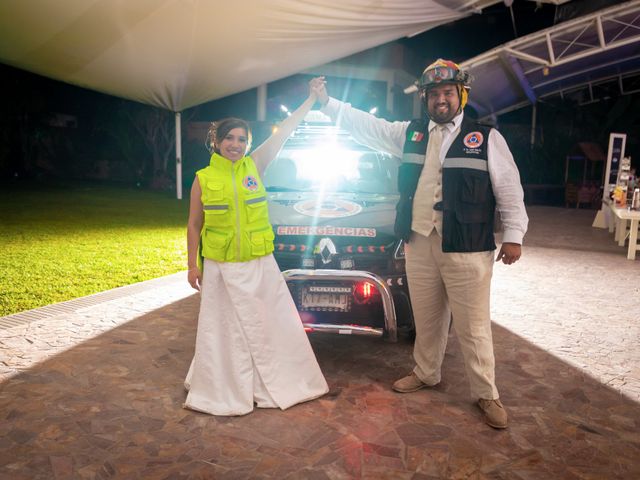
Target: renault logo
[[326, 249]]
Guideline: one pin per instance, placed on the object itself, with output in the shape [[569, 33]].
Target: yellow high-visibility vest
[[236, 218]]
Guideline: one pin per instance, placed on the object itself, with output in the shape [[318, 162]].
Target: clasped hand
[[318, 88]]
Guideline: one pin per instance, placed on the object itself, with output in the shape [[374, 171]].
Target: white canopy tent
[[176, 54]]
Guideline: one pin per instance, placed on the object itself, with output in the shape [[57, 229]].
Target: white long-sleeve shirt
[[389, 137]]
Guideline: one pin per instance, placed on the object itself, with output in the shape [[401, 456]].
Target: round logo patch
[[328, 208], [473, 140], [250, 183]]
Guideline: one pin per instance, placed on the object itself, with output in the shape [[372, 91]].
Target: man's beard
[[442, 117]]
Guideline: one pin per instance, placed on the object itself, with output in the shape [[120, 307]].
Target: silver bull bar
[[390, 322]]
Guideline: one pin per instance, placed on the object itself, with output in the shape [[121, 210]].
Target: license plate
[[323, 300]]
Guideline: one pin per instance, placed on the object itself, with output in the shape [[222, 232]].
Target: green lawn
[[64, 242]]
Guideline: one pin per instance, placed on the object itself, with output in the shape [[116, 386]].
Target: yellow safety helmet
[[443, 72]]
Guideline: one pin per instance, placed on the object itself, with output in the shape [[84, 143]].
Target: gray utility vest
[[468, 204]]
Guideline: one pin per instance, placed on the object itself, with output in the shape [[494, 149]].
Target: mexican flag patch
[[417, 136]]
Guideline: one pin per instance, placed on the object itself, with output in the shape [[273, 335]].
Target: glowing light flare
[[283, 108], [326, 164]]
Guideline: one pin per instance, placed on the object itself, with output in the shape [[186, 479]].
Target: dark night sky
[[478, 33]]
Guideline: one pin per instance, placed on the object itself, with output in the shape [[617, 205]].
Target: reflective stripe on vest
[[255, 200], [413, 158], [471, 163]]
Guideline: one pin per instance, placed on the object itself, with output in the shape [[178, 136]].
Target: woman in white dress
[[251, 347]]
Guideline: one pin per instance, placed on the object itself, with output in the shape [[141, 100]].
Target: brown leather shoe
[[410, 383], [494, 413]]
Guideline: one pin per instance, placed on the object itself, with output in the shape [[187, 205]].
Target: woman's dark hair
[[218, 130]]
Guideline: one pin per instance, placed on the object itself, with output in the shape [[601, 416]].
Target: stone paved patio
[[95, 390]]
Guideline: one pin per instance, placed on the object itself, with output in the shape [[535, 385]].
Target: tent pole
[[533, 125], [261, 107], [178, 157]]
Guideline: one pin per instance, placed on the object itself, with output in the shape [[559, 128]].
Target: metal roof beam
[[574, 40], [588, 53], [601, 38], [626, 26], [526, 56], [561, 44], [591, 82], [517, 76], [585, 70], [609, 14]]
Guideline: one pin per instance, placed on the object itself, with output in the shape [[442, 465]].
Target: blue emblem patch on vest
[[250, 183]]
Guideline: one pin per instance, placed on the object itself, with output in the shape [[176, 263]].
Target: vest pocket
[[474, 186], [257, 209], [472, 213], [215, 244], [214, 192], [217, 216], [261, 242]]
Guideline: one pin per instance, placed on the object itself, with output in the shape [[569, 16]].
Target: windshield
[[324, 164]]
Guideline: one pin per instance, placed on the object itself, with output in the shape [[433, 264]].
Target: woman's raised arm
[[268, 150]]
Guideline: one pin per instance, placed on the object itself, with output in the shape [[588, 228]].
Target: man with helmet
[[455, 175]]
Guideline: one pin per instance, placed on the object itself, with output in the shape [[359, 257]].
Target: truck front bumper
[[390, 321]]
